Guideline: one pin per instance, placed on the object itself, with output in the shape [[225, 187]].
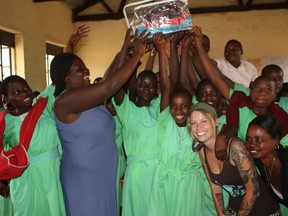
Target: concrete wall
[[262, 33], [35, 24]]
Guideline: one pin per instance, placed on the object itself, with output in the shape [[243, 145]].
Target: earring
[[276, 146]]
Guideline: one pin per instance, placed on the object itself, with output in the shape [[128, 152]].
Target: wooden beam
[[249, 2], [238, 8], [85, 4], [119, 15], [240, 2], [106, 6], [122, 5], [98, 17]]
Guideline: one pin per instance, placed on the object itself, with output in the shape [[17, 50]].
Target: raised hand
[[198, 37], [159, 41], [81, 31], [140, 42]]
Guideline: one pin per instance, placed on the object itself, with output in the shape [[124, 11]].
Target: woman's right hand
[[140, 42]]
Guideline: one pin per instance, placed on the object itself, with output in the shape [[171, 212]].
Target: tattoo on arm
[[245, 165]]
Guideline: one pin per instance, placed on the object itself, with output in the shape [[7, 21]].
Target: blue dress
[[89, 163]]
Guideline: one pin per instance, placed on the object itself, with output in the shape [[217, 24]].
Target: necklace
[[271, 170]]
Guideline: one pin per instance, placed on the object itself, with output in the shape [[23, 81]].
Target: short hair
[[269, 68], [236, 42], [269, 123], [202, 83], [59, 68], [147, 72], [181, 91], [7, 81], [284, 90]]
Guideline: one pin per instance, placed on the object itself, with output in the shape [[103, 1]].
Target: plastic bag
[[163, 16]]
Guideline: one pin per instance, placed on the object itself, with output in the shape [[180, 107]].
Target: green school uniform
[[141, 146], [38, 190], [121, 161], [178, 187]]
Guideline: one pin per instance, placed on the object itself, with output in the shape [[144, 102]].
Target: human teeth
[[179, 117], [27, 99], [86, 78], [201, 133], [253, 151]]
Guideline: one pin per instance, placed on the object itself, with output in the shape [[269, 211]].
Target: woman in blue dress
[[87, 132]]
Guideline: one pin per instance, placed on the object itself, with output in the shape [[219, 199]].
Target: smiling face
[[19, 95], [78, 75], [259, 143], [202, 126], [207, 93], [263, 92], [180, 105]]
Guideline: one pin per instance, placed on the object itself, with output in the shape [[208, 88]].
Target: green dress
[[121, 161], [38, 190], [141, 147], [179, 184]]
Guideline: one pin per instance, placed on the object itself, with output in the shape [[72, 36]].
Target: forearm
[[213, 73], [184, 65], [247, 204], [174, 66]]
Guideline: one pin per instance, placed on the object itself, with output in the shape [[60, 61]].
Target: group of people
[[196, 142]]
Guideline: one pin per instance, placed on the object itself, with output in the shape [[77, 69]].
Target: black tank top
[[229, 179]]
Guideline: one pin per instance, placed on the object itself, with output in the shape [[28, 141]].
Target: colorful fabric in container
[[163, 16]]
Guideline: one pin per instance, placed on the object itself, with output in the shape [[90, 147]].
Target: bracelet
[[152, 52]]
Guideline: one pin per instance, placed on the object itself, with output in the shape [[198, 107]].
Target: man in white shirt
[[233, 67]]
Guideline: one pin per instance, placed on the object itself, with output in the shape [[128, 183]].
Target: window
[[7, 45], [51, 51]]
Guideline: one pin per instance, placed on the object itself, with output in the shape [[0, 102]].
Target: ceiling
[[96, 10]]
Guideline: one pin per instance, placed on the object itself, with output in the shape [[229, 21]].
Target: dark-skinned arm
[[173, 60], [65, 107], [159, 43], [185, 64], [81, 31]]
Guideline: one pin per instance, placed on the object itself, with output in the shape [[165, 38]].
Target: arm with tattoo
[[247, 170]]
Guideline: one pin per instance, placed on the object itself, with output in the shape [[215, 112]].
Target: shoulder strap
[[30, 121]]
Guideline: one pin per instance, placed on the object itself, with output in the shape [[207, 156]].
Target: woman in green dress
[[38, 190]]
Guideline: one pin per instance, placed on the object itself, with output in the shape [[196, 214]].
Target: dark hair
[[202, 83], [181, 91], [284, 90], [260, 78], [269, 123], [7, 81], [236, 42], [269, 68], [147, 72], [59, 68]]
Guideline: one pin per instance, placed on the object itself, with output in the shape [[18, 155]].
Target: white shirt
[[244, 74]]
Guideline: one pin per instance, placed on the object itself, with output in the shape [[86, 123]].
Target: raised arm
[[159, 43], [247, 170], [211, 70], [174, 60], [87, 97], [81, 31], [151, 58], [185, 65]]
